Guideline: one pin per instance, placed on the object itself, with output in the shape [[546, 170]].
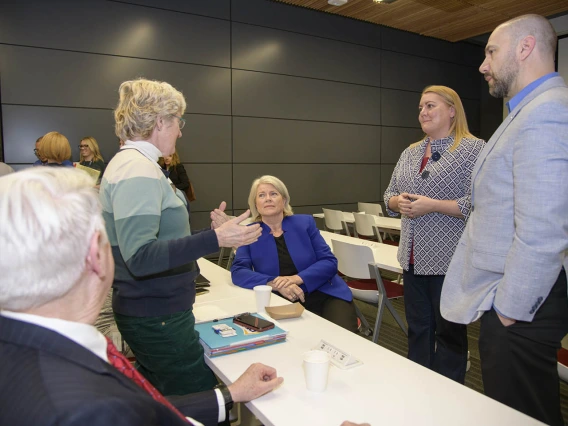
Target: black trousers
[[433, 341], [338, 311], [518, 363]]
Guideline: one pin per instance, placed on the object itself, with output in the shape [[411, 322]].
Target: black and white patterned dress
[[435, 235]]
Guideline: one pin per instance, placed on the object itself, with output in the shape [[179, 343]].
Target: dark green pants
[[168, 352]]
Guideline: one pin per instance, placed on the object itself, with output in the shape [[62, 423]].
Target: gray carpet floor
[[394, 339]]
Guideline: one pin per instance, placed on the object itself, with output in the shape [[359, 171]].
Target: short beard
[[502, 84]]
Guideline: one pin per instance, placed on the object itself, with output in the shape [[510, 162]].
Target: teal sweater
[[148, 228]]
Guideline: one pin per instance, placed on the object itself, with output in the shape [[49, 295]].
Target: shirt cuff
[[221, 402], [500, 314]]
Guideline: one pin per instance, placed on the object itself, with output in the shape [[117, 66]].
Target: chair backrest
[[364, 224], [371, 208], [353, 259], [333, 219]]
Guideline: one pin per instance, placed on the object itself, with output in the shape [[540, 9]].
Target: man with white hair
[[57, 268], [510, 265]]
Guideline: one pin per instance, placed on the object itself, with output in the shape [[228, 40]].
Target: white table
[[386, 390], [384, 254], [388, 223]]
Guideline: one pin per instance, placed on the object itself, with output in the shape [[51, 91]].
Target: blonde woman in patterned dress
[[430, 188]]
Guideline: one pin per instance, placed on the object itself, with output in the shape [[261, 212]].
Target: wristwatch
[[226, 396]]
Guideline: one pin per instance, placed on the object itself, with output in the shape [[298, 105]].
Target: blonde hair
[[49, 216], [93, 146], [458, 126], [54, 146], [141, 102], [175, 160], [280, 187]]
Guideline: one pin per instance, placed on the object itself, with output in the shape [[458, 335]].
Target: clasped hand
[[412, 205], [289, 287]]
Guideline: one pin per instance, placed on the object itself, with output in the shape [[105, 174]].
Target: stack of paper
[[216, 345]]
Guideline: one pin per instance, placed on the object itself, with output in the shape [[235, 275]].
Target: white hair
[[48, 216]]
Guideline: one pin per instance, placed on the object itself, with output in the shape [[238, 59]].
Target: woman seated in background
[[55, 148], [177, 174], [292, 257], [90, 155]]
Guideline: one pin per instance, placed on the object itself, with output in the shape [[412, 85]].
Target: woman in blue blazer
[[292, 257]]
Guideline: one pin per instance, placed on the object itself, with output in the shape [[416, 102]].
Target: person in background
[[41, 161], [430, 188], [511, 262], [55, 148], [57, 369], [175, 171], [153, 247], [292, 257], [5, 169], [90, 155]]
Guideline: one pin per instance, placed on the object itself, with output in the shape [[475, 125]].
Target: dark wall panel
[[407, 72], [278, 15], [212, 184], [414, 44], [34, 76], [395, 140], [314, 184], [215, 9], [262, 49], [275, 96], [399, 108], [127, 30], [205, 139], [258, 140], [24, 124]]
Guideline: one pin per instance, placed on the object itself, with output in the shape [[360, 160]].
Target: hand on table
[[257, 380], [282, 282], [291, 292], [231, 234], [346, 423]]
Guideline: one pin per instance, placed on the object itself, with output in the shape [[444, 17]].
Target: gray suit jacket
[[516, 238]]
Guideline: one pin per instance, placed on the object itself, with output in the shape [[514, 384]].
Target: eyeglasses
[[36, 151], [83, 146], [181, 121]]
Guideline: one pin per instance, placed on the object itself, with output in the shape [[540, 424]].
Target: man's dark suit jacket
[[47, 379]]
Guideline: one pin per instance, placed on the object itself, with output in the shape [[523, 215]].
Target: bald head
[[532, 25]]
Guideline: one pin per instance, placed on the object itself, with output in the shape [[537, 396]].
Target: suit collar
[[547, 85], [48, 341]]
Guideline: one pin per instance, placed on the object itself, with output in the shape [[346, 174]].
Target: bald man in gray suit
[[510, 265]]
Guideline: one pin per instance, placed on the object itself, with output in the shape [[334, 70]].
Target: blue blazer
[[47, 379], [257, 264]]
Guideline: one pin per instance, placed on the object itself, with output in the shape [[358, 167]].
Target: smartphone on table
[[253, 323]]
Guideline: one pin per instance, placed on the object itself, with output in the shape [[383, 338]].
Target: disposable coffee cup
[[316, 370], [262, 294]]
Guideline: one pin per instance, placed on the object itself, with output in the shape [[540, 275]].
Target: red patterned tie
[[121, 363]]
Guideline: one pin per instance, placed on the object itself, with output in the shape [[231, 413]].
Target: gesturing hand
[[257, 380], [231, 234], [218, 216]]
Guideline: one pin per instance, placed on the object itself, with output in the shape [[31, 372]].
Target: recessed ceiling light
[[337, 2]]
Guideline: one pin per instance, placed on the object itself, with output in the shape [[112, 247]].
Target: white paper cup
[[262, 294], [316, 369]]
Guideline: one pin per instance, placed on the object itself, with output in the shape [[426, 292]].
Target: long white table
[[388, 223], [386, 390], [384, 254]]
